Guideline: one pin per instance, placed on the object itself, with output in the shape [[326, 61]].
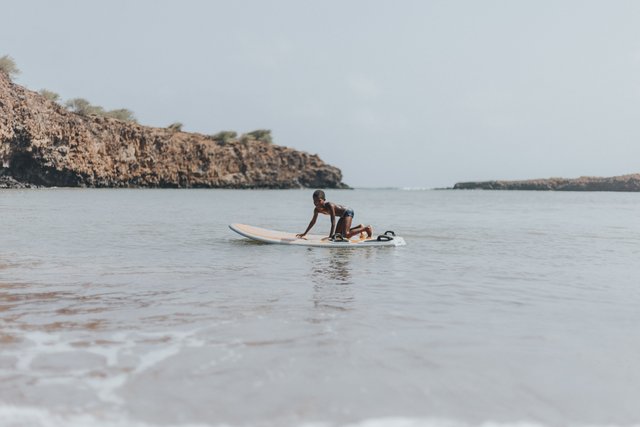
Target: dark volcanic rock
[[43, 144], [617, 183], [11, 182]]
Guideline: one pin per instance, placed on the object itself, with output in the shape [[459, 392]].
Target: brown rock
[[43, 144]]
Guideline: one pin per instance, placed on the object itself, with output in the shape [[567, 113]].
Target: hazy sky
[[395, 93]]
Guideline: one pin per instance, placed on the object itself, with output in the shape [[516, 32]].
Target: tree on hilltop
[[8, 66], [225, 136], [122, 114], [263, 135], [85, 108], [51, 96], [175, 127]]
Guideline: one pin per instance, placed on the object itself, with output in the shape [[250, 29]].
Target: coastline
[[622, 183]]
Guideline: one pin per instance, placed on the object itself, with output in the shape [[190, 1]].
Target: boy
[[344, 223]]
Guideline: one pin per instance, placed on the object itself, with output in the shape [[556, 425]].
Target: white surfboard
[[284, 238]]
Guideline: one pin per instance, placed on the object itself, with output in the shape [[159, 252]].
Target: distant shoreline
[[623, 183]]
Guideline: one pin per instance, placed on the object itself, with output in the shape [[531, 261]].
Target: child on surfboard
[[345, 215]]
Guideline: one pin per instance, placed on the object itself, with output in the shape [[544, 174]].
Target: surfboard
[[284, 238]]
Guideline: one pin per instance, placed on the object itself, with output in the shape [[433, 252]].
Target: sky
[[397, 93]]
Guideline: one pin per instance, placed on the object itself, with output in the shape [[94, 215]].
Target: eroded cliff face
[[43, 144]]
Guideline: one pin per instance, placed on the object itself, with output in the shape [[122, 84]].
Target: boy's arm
[[311, 224]]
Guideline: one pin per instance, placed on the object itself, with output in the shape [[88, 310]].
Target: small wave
[[432, 422], [22, 416]]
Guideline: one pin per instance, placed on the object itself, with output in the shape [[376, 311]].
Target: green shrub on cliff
[[263, 135], [244, 138], [51, 96], [8, 66], [225, 136], [175, 127], [122, 114], [84, 108]]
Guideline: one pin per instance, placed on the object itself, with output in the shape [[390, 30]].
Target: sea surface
[[142, 308]]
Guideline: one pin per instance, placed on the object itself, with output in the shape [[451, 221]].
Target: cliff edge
[[43, 144], [586, 183]]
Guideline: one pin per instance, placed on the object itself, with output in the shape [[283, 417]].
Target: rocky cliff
[[585, 183], [43, 144]]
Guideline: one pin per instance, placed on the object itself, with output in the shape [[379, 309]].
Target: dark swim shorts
[[348, 212]]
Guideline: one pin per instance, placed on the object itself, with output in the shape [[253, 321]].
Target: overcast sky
[[394, 93]]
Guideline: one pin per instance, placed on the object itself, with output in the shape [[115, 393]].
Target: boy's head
[[318, 197]]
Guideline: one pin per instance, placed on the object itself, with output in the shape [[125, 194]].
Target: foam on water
[[57, 359], [15, 416]]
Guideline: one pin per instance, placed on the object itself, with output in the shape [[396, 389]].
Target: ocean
[[141, 308]]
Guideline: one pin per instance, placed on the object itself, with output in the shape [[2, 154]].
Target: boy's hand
[[301, 235]]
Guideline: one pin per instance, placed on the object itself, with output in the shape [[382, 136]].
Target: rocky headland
[[586, 183], [42, 144]]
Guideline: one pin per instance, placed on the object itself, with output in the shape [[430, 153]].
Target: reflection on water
[[330, 274], [334, 267]]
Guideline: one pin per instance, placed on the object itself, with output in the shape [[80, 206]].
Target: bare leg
[[346, 226], [340, 228], [360, 229]]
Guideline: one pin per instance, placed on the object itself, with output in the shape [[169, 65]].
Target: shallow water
[[141, 308]]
